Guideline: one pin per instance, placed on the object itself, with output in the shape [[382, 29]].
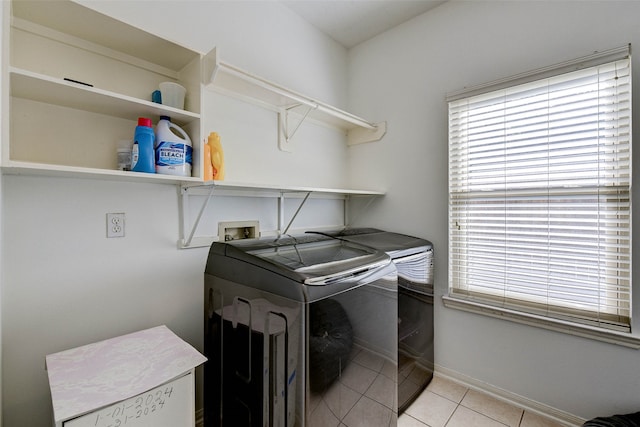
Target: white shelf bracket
[[185, 213], [364, 135], [281, 209], [284, 133]]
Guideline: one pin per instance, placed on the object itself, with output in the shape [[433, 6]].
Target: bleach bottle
[[174, 151], [142, 156]]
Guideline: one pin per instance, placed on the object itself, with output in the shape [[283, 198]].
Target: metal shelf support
[[293, 218]]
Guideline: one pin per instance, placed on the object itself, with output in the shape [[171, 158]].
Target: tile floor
[[364, 395], [445, 403]]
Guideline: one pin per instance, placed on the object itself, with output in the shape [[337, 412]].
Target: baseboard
[[557, 415]]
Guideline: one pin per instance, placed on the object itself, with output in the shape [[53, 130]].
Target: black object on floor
[[628, 420]]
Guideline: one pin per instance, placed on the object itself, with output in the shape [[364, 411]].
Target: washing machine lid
[[412, 256], [309, 259], [394, 244]]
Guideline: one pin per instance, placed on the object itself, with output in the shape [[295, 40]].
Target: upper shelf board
[[87, 24], [38, 87], [234, 81], [39, 169], [265, 188]]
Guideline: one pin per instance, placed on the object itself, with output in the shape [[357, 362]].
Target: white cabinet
[[168, 405], [78, 81], [144, 378]]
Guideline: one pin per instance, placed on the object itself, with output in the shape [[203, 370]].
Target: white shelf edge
[[233, 81], [42, 169], [38, 87], [288, 98], [242, 186]]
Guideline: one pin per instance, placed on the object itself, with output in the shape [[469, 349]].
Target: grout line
[[547, 412], [361, 395], [458, 404], [464, 395], [479, 413], [489, 416]]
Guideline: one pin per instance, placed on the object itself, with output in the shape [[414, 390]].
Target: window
[[539, 193]]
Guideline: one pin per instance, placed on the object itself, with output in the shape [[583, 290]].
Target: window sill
[[612, 337]]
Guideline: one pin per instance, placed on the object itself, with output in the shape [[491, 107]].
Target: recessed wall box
[[235, 230]]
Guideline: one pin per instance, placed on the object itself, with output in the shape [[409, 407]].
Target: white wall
[[403, 76], [65, 284]]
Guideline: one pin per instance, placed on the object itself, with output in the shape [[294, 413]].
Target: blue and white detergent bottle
[[174, 151], [142, 156]]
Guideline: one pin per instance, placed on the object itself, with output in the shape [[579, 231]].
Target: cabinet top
[[99, 374], [85, 23]]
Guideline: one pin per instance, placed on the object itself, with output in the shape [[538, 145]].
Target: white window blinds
[[539, 194]]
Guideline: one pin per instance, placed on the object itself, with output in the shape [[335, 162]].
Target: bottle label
[[173, 154], [134, 154]]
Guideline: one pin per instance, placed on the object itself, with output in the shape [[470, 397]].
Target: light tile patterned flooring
[[364, 396], [445, 403]]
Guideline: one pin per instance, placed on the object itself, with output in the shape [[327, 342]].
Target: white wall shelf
[[263, 189], [189, 239], [293, 108], [46, 169], [50, 90], [59, 127]]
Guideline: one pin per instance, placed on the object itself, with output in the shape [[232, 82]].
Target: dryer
[[413, 258]]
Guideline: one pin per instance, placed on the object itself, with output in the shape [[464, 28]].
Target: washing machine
[[413, 258], [299, 331]]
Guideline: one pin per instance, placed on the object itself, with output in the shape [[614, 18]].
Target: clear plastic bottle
[[124, 154], [142, 154]]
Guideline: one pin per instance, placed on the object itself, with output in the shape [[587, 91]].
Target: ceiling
[[351, 22]]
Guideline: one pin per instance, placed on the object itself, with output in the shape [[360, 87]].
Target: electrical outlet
[[115, 225]]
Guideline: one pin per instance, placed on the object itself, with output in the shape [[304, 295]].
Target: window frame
[[478, 303]]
